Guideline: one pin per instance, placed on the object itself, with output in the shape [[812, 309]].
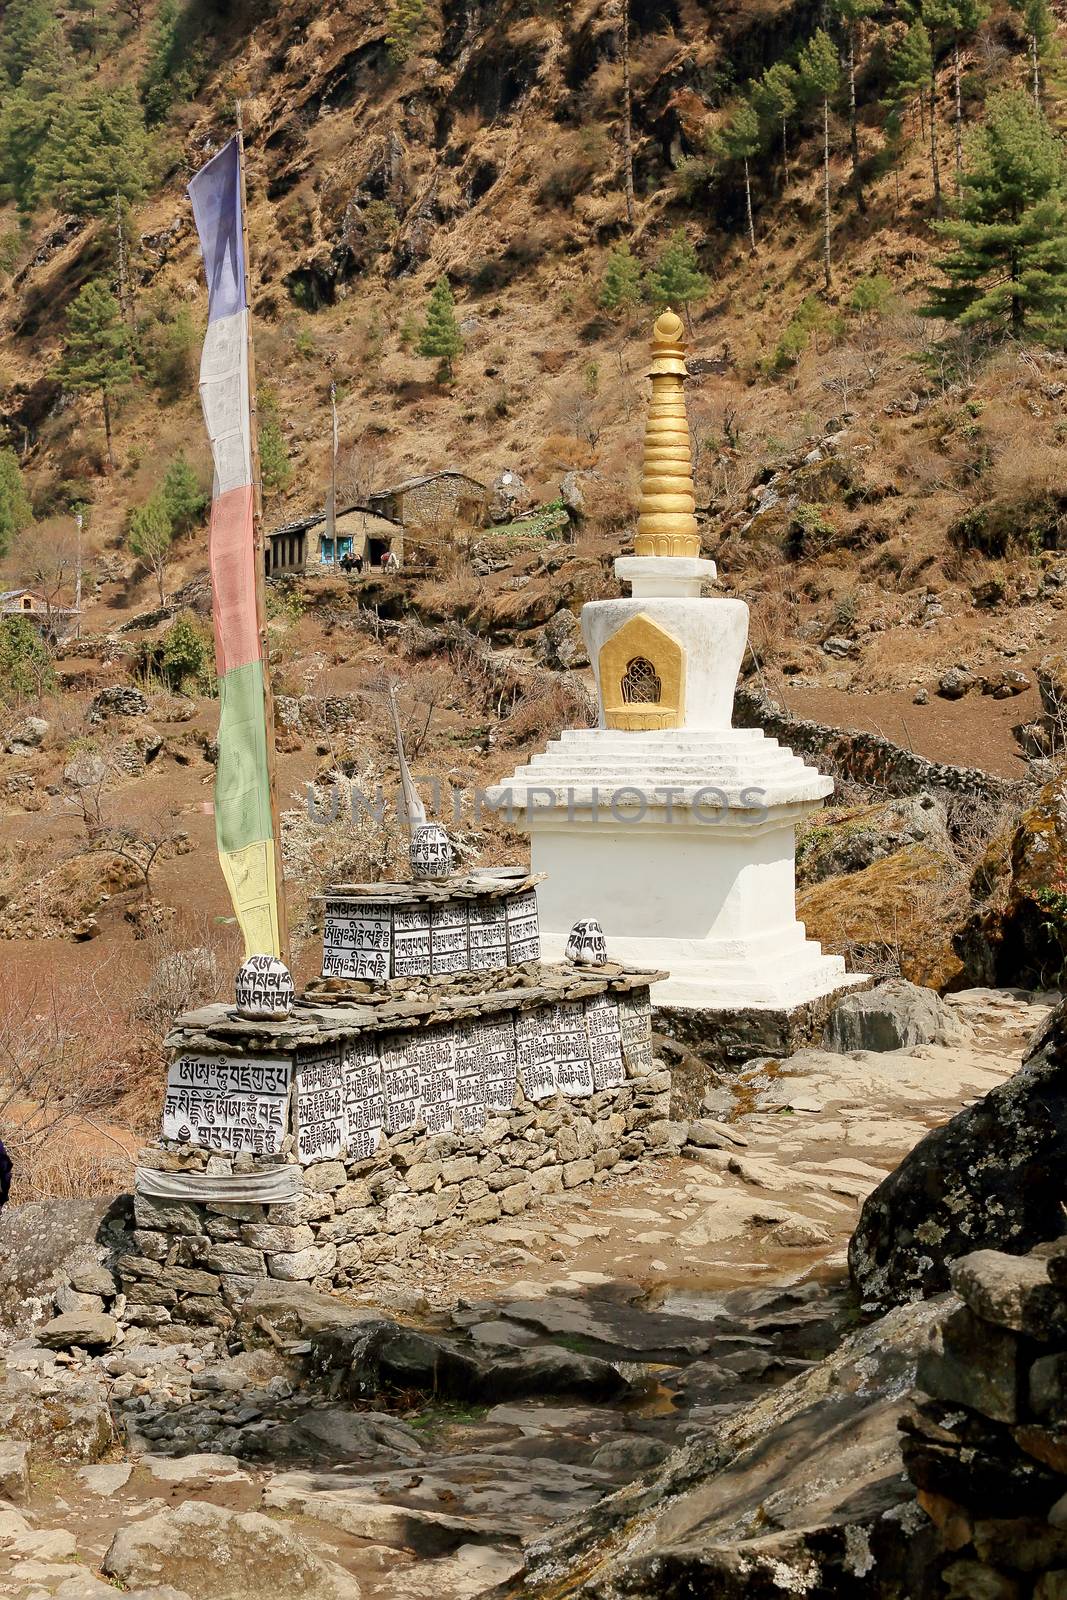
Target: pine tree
[[96, 354], [676, 278], [28, 115], [27, 27], [627, 116], [275, 468], [775, 97], [943, 18], [15, 511], [181, 495], [820, 75], [1008, 267], [150, 538], [1040, 28], [439, 337], [98, 149], [175, 67], [406, 18], [911, 63], [966, 18], [620, 287], [853, 14], [738, 141]]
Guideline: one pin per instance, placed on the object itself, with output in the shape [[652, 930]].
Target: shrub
[[25, 663], [182, 659], [997, 527], [872, 295], [274, 465], [168, 344]]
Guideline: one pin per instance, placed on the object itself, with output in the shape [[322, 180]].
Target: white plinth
[[681, 843], [712, 633], [666, 576]]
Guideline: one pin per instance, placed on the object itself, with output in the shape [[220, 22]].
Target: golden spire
[[666, 525]]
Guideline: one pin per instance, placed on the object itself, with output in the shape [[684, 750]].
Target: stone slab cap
[[217, 1028], [490, 883]]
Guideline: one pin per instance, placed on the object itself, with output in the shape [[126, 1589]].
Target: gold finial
[[666, 525]]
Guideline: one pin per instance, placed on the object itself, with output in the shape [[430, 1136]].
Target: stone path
[[713, 1277]]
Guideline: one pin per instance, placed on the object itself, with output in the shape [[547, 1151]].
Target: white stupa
[[672, 828]]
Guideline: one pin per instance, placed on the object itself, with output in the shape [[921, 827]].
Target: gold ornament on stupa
[[666, 525]]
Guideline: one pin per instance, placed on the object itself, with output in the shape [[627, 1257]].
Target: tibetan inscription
[[524, 939], [411, 941], [357, 940], [364, 1096], [228, 1103], [605, 1041], [488, 936], [320, 1108]]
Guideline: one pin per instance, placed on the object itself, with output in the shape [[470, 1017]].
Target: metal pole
[[78, 578]]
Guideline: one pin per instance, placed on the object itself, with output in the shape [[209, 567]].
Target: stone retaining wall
[[196, 1262], [869, 758], [988, 1451]]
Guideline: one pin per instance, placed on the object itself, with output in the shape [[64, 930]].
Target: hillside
[[883, 488]]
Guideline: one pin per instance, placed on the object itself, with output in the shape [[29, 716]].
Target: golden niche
[[642, 677], [666, 524]]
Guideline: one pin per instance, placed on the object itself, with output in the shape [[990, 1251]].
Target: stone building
[[437, 503], [303, 544], [52, 622]]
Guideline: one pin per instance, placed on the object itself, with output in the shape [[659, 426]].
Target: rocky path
[[413, 1440]]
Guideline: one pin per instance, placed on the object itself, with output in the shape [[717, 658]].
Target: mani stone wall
[[195, 1261]]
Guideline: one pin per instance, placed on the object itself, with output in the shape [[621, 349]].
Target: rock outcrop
[[1017, 933], [992, 1178], [892, 1016], [228, 1555], [802, 1493]]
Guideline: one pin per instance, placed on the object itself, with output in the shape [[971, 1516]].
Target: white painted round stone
[[587, 946], [264, 989], [431, 853]]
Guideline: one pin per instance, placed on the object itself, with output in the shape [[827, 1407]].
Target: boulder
[[509, 496], [42, 1246], [57, 1414], [851, 838], [893, 1016], [14, 1471], [573, 488], [217, 1554], [561, 645], [1017, 934], [1013, 1292], [26, 736], [955, 683], [90, 1330], [991, 1179]]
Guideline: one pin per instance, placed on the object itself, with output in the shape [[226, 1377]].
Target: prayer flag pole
[[247, 824], [260, 567]]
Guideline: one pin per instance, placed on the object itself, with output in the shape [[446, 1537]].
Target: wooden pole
[[257, 557]]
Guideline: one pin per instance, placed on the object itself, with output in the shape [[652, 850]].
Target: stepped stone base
[[725, 1040]]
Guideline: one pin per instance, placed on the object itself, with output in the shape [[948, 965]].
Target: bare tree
[[55, 1071], [359, 466], [627, 116], [141, 847]]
